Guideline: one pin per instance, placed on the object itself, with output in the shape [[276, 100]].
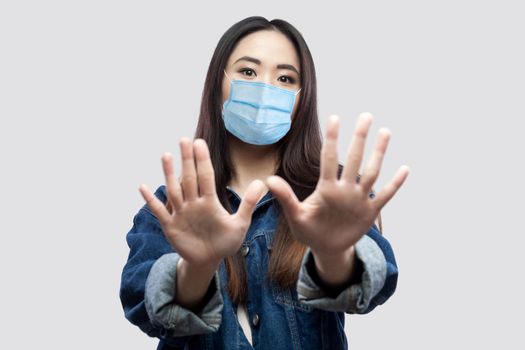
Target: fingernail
[[385, 131], [366, 115]]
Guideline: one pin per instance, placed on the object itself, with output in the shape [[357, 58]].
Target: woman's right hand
[[199, 228]]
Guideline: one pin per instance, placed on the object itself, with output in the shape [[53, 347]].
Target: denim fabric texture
[[307, 317]]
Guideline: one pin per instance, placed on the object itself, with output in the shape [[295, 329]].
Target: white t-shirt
[[242, 316]]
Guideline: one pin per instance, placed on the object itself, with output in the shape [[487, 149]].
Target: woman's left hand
[[339, 211]]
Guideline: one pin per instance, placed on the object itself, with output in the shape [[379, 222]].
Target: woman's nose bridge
[[266, 76]]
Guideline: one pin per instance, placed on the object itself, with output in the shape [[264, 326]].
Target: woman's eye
[[286, 79], [248, 72]]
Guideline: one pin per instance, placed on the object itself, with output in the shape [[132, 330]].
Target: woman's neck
[[250, 162]]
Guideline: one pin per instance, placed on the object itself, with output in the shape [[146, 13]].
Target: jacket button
[[245, 250], [255, 320]]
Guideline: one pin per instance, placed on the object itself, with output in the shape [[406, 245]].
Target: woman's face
[[266, 56]]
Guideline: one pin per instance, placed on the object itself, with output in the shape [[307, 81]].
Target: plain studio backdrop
[[92, 93]]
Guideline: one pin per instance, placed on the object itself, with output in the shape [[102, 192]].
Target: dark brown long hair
[[298, 151]]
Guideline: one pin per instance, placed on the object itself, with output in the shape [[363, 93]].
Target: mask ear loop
[[227, 75], [231, 82], [298, 91]]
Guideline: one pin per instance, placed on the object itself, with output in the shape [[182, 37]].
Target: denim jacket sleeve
[[375, 282], [148, 285]]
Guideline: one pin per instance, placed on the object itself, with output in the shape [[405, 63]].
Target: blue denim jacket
[[308, 317]]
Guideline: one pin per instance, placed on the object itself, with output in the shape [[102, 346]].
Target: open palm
[[339, 211], [199, 228]]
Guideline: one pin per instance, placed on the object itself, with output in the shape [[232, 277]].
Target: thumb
[[284, 194], [254, 193]]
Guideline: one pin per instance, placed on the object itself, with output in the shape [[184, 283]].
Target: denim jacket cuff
[[159, 299], [354, 298]]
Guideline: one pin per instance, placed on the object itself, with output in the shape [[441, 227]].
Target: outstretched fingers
[[255, 191], [373, 166], [205, 172], [285, 195], [156, 206], [189, 174], [391, 188], [174, 190], [329, 158], [356, 148]]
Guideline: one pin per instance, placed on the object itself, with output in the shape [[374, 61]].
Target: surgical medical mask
[[258, 113]]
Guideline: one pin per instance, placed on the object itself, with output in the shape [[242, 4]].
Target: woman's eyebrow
[[289, 67], [258, 62], [249, 59]]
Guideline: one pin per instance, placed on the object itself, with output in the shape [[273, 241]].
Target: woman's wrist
[[193, 282], [206, 269], [335, 270]]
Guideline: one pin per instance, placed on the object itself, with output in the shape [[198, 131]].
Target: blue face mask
[[258, 113]]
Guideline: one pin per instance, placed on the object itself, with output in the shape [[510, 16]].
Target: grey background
[[92, 93]]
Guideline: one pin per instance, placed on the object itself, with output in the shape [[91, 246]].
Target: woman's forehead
[[270, 47]]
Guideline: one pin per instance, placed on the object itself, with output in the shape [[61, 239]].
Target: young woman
[[280, 267]]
